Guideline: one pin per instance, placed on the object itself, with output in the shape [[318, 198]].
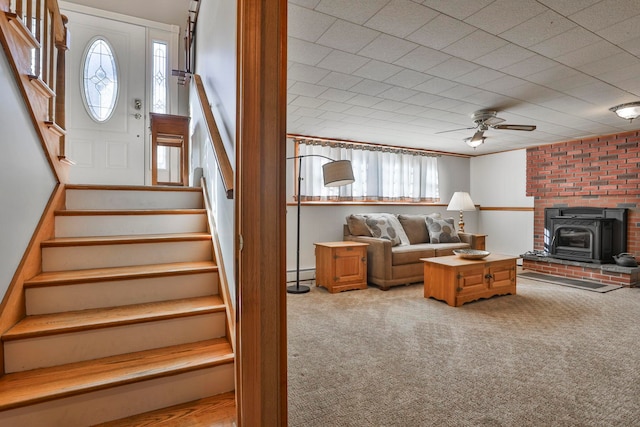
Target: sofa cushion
[[357, 226], [442, 230], [415, 227], [386, 226], [401, 255]]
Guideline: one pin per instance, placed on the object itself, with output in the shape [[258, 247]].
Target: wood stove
[[585, 234]]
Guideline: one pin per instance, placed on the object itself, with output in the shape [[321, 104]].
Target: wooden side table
[[457, 280], [341, 266]]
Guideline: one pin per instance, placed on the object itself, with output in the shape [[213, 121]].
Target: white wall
[[26, 180], [216, 63], [499, 181], [324, 223]]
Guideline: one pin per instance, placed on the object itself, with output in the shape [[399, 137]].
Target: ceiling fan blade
[[454, 130], [515, 127]]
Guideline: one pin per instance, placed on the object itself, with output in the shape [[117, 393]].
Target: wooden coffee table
[[457, 280]]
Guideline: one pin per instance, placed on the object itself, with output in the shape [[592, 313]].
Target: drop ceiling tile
[[631, 86], [435, 85], [304, 52], [397, 93], [485, 99], [412, 110], [306, 89], [531, 65], [291, 97], [308, 112], [606, 13], [336, 116], [387, 48], [370, 87], [357, 11], [342, 62], [549, 76], [459, 9], [377, 70], [422, 99], [537, 29], [306, 73], [422, 58], [305, 101], [364, 100], [448, 104], [632, 46], [343, 35], [339, 80], [587, 54], [575, 38], [360, 111], [440, 32], [623, 31], [307, 24], [502, 15], [459, 92], [337, 107], [336, 95], [407, 78], [504, 56], [309, 4], [452, 68], [504, 85], [401, 17], [389, 105], [357, 120], [567, 83], [621, 74], [609, 63], [568, 7], [479, 76], [599, 93], [475, 45]]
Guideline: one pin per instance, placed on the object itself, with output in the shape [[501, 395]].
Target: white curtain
[[381, 174]]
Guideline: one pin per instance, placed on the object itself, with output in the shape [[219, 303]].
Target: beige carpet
[[549, 356]]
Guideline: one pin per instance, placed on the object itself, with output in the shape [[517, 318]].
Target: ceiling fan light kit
[[628, 111], [485, 120]]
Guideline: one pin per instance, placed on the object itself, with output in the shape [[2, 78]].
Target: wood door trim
[[260, 210]]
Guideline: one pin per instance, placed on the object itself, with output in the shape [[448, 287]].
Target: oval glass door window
[[100, 77]]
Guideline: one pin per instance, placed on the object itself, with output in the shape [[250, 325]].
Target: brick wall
[[598, 172]]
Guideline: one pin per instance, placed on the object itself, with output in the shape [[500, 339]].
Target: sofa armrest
[[379, 256], [476, 241]]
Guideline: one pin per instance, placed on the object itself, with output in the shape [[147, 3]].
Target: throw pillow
[[442, 230], [386, 226], [357, 226]]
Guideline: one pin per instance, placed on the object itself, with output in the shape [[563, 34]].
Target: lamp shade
[[461, 201], [337, 173]]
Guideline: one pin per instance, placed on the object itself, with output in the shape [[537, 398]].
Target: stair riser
[[123, 401], [82, 296], [119, 225], [31, 353], [129, 199], [125, 255]]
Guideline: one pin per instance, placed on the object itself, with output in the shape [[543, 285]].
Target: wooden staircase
[[125, 318]]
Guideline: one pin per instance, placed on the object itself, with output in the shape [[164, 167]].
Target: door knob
[[138, 116], [137, 104]]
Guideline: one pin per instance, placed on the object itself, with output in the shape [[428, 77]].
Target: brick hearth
[[597, 172]]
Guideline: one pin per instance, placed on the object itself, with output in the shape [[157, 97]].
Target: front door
[[106, 101]]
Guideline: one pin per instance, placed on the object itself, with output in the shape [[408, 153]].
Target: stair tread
[[72, 321], [39, 385], [115, 273], [114, 240], [114, 212], [214, 411]]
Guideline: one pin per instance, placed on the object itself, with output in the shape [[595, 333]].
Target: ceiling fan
[[484, 120]]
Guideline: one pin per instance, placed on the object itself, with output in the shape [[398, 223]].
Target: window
[[100, 80], [382, 173], [159, 78]]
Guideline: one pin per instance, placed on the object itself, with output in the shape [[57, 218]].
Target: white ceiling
[[399, 71]]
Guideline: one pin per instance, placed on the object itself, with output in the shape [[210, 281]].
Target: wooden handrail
[[224, 165], [37, 48]]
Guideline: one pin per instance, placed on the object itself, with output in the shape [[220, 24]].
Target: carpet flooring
[[548, 356]]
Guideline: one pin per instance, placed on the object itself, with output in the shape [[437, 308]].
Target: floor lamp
[[335, 173]]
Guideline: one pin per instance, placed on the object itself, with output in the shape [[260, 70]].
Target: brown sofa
[[394, 260]]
